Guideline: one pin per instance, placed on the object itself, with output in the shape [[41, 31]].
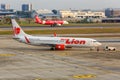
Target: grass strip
[[68, 31], [71, 24]]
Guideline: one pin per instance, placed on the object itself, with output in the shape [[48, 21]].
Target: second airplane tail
[[38, 20]]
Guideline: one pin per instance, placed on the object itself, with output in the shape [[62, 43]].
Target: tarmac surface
[[19, 61]]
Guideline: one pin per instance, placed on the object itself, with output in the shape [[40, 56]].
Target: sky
[[64, 4]]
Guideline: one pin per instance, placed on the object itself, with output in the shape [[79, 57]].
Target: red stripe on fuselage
[[27, 40]]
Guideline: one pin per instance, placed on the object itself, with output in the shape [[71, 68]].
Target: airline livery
[[55, 43], [50, 22]]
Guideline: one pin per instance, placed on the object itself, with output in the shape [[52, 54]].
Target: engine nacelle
[[58, 24], [60, 47]]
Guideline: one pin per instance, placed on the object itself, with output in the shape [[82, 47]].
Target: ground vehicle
[[108, 48]]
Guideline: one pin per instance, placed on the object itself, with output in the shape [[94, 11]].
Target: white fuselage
[[67, 41]]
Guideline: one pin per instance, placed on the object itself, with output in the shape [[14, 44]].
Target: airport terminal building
[[5, 10], [82, 14]]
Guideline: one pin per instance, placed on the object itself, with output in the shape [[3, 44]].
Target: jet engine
[[60, 47]]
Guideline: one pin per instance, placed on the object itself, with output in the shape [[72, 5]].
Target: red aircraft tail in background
[[38, 20]]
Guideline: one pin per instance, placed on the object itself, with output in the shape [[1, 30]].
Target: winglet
[[55, 35]]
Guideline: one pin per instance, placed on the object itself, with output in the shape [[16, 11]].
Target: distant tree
[[54, 11], [6, 20], [85, 20], [29, 20], [18, 20]]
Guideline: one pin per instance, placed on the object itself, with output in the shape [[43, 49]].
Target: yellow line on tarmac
[[39, 79], [7, 55], [84, 76]]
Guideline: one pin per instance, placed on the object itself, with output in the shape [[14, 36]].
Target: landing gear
[[95, 48], [52, 48], [98, 49], [53, 25], [91, 49]]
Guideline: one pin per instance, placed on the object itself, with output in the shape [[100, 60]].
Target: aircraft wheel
[[52, 48], [54, 24], [113, 49]]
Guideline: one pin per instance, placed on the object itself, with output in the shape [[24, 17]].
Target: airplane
[[54, 42], [50, 22]]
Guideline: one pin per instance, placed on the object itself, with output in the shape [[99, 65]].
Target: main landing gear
[[52, 48]]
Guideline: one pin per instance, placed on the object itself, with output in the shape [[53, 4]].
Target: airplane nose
[[98, 44], [65, 22]]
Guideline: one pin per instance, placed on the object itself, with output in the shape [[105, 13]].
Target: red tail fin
[[38, 20]]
